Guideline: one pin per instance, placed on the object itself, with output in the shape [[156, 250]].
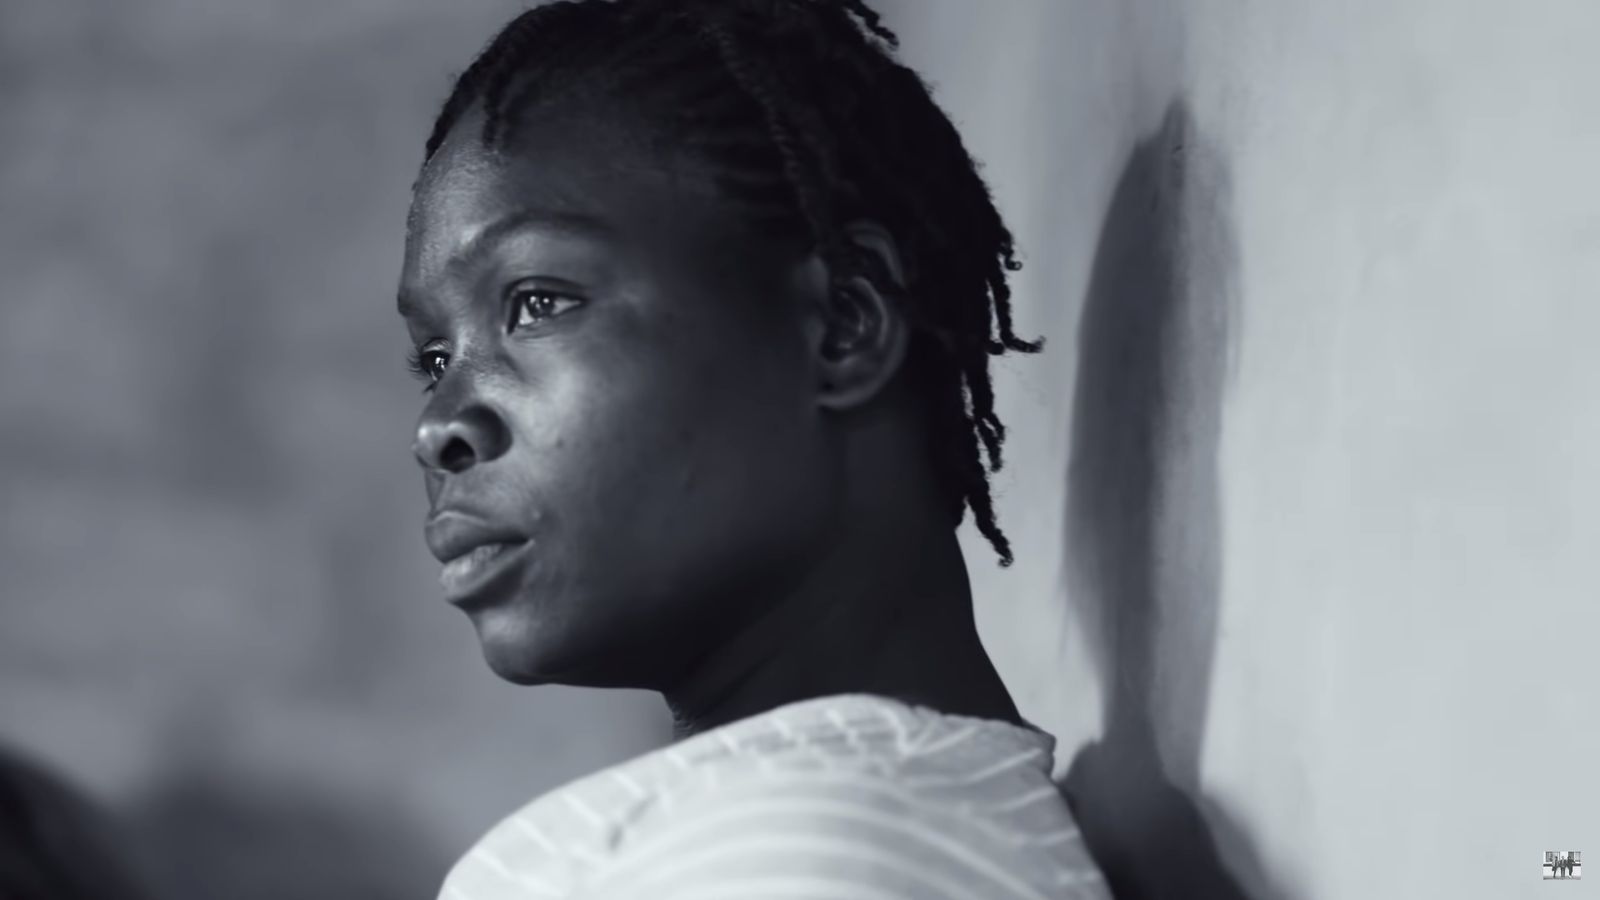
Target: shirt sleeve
[[814, 836]]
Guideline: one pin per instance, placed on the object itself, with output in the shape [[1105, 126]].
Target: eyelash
[[416, 365], [519, 297], [417, 358]]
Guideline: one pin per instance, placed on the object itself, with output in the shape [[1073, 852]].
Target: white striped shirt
[[852, 797]]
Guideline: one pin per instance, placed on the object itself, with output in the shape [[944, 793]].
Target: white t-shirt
[[853, 796]]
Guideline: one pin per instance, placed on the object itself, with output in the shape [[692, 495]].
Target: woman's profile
[[703, 295]]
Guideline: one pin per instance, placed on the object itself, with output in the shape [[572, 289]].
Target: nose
[[456, 443]]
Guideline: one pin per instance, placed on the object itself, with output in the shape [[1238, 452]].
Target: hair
[[808, 123]]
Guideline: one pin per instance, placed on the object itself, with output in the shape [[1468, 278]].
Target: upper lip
[[451, 533]]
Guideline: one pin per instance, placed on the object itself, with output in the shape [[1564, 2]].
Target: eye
[[428, 364], [531, 305]]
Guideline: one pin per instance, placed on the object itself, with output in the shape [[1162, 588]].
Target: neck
[[891, 616]]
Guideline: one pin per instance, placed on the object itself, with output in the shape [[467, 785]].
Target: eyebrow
[[568, 224]]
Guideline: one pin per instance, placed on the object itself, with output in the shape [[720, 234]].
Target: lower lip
[[472, 572]]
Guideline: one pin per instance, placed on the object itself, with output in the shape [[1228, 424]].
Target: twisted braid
[[809, 123]]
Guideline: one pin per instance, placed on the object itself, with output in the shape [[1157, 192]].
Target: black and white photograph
[[798, 449]]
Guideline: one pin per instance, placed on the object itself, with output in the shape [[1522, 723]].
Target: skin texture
[[708, 462]]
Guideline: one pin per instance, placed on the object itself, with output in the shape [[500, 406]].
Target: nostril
[[456, 455], [470, 437]]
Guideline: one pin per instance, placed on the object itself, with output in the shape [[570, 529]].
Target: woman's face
[[620, 442]]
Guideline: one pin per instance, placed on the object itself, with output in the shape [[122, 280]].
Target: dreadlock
[[810, 123]]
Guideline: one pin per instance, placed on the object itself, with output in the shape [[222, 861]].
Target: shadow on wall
[[1143, 519]]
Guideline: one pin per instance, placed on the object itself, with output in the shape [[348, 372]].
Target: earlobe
[[865, 336]]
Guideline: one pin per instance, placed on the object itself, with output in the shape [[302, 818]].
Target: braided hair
[[809, 123]]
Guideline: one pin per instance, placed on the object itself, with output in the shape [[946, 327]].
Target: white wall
[[1341, 545], [1412, 443]]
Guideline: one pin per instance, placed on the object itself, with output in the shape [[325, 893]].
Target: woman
[[703, 294]]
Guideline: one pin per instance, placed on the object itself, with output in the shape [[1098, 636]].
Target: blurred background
[[1302, 491]]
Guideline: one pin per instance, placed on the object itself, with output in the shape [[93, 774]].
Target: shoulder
[[762, 831]]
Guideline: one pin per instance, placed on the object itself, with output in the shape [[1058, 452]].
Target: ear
[[863, 335]]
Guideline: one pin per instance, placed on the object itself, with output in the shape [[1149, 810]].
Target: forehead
[[571, 165]]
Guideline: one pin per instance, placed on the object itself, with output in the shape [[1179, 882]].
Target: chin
[[525, 650], [514, 668], [511, 644]]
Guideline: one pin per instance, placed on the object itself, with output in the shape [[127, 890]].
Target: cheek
[[667, 480], [676, 451]]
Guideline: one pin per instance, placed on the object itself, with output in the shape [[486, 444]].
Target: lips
[[473, 551], [462, 574]]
